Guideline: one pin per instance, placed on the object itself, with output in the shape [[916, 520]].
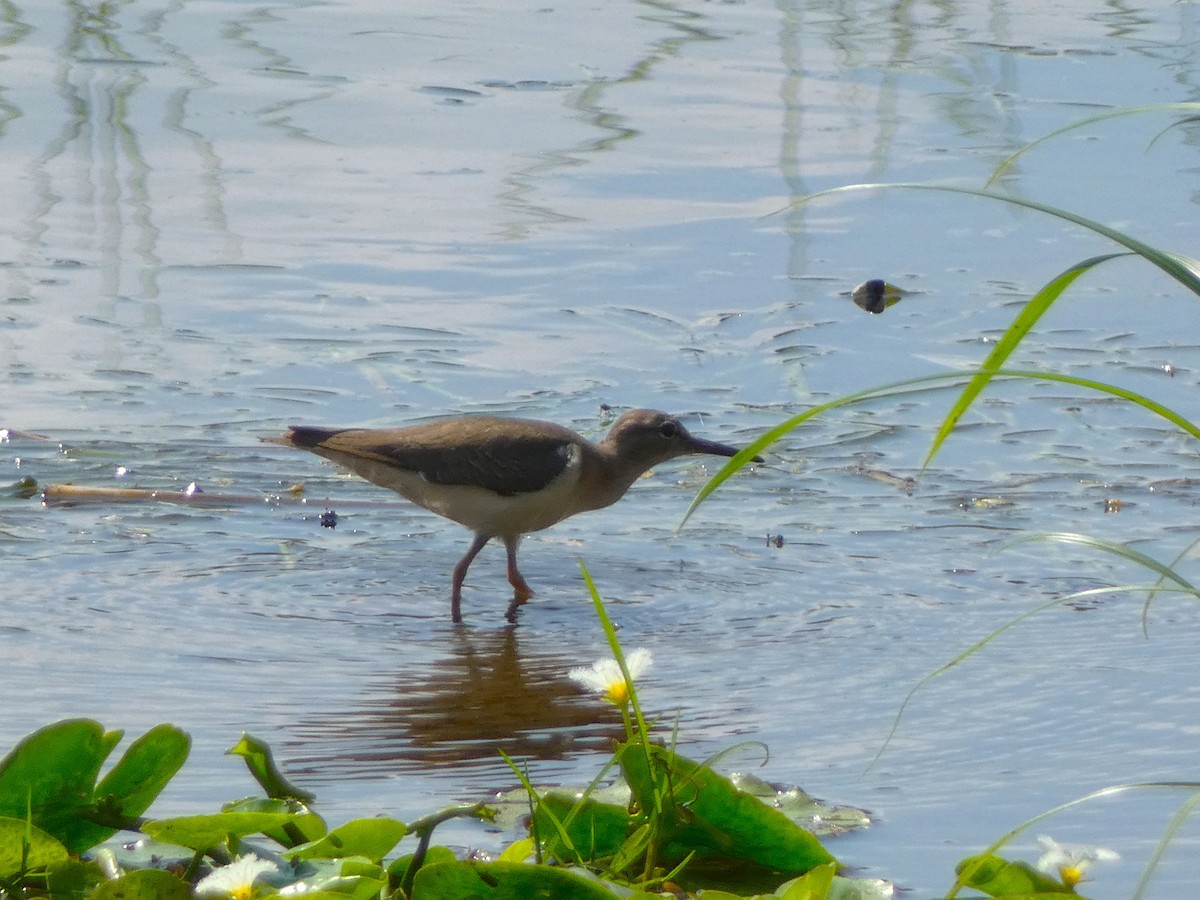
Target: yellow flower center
[[1070, 875], [618, 694]]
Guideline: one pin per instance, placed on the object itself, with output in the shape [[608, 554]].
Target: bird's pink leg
[[521, 589], [460, 572]]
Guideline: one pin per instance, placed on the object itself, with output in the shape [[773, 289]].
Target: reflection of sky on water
[[221, 217]]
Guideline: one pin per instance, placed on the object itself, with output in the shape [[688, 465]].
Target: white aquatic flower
[[605, 678], [235, 880], [1070, 861]]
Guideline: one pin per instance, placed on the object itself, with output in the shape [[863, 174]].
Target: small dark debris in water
[[451, 95], [24, 489], [1113, 505], [1170, 485], [985, 503], [1169, 369], [876, 295], [905, 483], [329, 519], [775, 540], [529, 84]]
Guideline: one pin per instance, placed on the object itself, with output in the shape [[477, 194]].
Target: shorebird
[[503, 478]]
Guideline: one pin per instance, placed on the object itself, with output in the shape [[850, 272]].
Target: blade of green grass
[[1182, 268], [1165, 572], [1033, 310], [912, 385], [1086, 798], [979, 645], [1181, 815], [1122, 550], [1091, 120]]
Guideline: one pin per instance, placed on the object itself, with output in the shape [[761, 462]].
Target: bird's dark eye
[[668, 429]]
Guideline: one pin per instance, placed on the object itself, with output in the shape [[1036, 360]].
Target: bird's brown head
[[648, 437]]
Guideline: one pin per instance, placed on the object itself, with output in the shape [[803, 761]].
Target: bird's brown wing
[[496, 459]]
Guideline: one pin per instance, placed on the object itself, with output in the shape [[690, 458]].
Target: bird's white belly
[[479, 509]]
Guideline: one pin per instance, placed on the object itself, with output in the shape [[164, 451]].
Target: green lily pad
[[370, 838], [504, 881], [204, 832], [304, 827], [593, 830], [144, 884], [73, 879], [702, 812]]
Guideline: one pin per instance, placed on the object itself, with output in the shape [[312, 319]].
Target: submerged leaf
[[807, 812]]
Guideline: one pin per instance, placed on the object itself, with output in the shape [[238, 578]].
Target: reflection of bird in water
[[504, 478], [459, 709]]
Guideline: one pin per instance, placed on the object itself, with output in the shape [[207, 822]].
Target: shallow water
[[223, 218]]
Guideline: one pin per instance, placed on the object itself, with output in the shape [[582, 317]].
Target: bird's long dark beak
[[699, 445]]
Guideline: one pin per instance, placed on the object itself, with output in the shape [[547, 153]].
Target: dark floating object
[[22, 490], [876, 295], [775, 540], [329, 519]]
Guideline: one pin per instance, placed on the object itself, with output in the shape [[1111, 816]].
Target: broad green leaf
[[503, 881], [52, 775], [595, 830], [15, 834], [370, 838], [134, 782], [997, 877], [261, 763], [143, 884], [203, 832], [703, 812]]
